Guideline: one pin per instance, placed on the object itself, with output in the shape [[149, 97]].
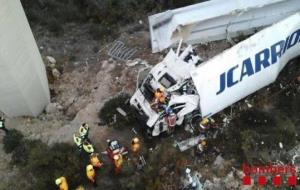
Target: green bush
[[109, 14], [108, 112], [12, 140], [244, 136], [45, 164]]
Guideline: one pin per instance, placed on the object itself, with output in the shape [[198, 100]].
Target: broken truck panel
[[216, 20], [246, 67]]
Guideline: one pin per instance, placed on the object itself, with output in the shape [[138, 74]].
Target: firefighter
[[84, 131], [135, 145], [118, 162], [201, 146], [88, 147], [78, 142], [2, 125], [204, 124], [91, 174], [62, 183], [94, 160], [160, 96]]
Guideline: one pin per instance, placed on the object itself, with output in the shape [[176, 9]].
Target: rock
[[219, 162], [208, 185], [104, 62], [215, 185], [230, 182], [76, 63], [53, 108], [51, 60], [56, 74]]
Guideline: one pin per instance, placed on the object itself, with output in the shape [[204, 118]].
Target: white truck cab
[[173, 75]]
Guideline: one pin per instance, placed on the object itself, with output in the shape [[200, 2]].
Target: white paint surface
[[216, 20], [207, 76]]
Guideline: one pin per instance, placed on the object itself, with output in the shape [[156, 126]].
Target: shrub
[[109, 112], [45, 164], [109, 14], [12, 140], [243, 138]]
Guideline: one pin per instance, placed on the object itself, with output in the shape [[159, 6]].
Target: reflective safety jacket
[[84, 131], [87, 147]]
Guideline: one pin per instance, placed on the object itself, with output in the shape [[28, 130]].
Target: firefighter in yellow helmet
[[118, 162], [204, 123], [91, 174], [84, 131], [88, 147], [78, 142], [135, 145], [160, 96], [62, 183], [201, 146], [94, 160]]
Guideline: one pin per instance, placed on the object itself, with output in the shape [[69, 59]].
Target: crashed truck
[[202, 89]]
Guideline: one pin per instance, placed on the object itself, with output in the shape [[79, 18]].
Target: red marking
[[246, 180], [262, 180], [292, 180], [277, 180]]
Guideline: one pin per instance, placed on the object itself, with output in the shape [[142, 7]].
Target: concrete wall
[[23, 80]]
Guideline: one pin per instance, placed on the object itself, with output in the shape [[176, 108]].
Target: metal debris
[[119, 51], [189, 143], [142, 162], [137, 62], [122, 112], [134, 131]]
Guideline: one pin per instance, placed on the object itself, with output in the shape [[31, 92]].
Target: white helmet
[[58, 181], [89, 167]]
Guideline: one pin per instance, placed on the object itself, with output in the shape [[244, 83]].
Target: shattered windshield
[[142, 75], [167, 81], [147, 89]]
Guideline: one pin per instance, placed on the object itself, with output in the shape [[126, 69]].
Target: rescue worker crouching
[[135, 145], [160, 99], [118, 162], [201, 147], [94, 160], [160, 96], [62, 183], [91, 174]]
